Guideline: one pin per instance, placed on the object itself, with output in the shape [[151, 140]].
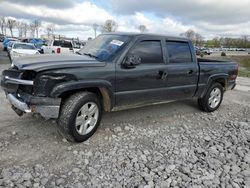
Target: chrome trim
[[18, 104], [18, 81]]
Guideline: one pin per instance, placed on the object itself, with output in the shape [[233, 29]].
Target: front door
[[144, 82]]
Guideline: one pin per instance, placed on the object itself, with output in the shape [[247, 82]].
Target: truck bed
[[210, 67]]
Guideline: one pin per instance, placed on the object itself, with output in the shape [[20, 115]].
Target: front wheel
[[80, 116], [212, 99]]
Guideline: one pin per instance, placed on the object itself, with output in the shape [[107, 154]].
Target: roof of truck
[[148, 34]]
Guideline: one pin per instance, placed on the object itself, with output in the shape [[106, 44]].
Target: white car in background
[[20, 49], [58, 47]]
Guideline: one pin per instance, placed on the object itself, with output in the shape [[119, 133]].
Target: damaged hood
[[54, 61]]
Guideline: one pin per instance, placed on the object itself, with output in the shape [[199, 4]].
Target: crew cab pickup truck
[[58, 47], [110, 72]]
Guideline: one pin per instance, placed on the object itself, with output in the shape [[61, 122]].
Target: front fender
[[78, 85]]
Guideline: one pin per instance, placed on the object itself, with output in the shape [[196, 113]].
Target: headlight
[[44, 83]]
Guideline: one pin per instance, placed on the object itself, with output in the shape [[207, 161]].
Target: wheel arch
[[102, 89], [219, 78]]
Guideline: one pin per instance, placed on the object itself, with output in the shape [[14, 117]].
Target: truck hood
[[54, 61]]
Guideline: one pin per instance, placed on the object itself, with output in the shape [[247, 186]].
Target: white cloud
[[208, 17], [223, 11], [82, 13]]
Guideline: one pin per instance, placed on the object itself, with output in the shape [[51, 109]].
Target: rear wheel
[[212, 99], [80, 116]]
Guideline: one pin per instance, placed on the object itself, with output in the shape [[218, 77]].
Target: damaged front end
[[20, 89]]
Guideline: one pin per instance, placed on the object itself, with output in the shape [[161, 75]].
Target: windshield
[[24, 46], [104, 47]]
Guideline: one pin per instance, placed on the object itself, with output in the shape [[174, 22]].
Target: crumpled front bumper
[[23, 102], [18, 104], [46, 107]]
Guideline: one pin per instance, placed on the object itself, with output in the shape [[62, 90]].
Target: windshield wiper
[[90, 55]]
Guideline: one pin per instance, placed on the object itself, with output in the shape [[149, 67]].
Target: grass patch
[[244, 63], [244, 73]]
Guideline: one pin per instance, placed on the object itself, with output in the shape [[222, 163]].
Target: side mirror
[[131, 61]]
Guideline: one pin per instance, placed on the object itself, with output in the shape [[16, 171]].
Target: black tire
[[204, 101], [70, 110]]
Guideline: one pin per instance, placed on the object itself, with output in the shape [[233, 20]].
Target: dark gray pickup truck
[[117, 69]]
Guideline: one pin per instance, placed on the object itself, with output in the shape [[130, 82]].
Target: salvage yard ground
[[164, 145]]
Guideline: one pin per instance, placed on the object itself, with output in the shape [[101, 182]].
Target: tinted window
[[23, 46], [179, 52], [57, 43], [148, 51], [66, 44]]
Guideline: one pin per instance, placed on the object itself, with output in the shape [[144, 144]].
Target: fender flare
[[212, 78], [104, 87]]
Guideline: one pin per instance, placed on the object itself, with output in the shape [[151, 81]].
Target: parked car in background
[[6, 42], [197, 51], [37, 42], [9, 46], [206, 51], [2, 37], [20, 49], [58, 47], [78, 45]]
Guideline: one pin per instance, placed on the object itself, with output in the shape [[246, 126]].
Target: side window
[[178, 52], [57, 43], [148, 51], [66, 44]]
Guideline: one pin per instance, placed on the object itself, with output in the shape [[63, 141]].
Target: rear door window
[[57, 43], [179, 52], [66, 44]]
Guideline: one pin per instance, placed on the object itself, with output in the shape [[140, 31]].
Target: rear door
[[182, 69], [144, 82]]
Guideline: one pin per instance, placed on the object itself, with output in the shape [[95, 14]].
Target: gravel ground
[[167, 145]]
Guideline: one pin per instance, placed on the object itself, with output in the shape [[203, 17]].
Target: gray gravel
[[168, 145]]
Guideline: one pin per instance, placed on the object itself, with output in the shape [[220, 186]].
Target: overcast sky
[[73, 18]]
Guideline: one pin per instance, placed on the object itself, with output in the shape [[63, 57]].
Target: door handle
[[190, 72], [162, 75]]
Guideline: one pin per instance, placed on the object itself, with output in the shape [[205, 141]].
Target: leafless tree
[[25, 27], [244, 40], [109, 26], [95, 27], [22, 28], [36, 25], [50, 30], [142, 28], [190, 34], [19, 26], [32, 29], [198, 39], [11, 23], [3, 25], [216, 42]]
